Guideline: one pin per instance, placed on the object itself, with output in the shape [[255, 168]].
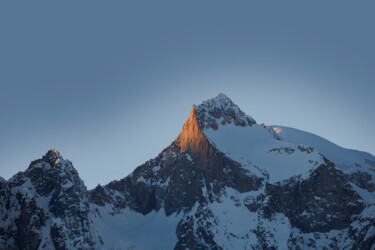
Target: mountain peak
[[53, 156], [52, 159], [222, 98], [221, 110], [210, 114], [219, 101]]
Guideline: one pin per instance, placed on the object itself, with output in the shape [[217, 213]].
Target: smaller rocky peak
[[52, 172], [221, 110], [51, 160], [53, 157]]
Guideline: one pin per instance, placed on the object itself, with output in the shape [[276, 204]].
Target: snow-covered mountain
[[46, 207], [226, 182]]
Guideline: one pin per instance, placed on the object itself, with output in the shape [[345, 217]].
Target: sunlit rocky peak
[[53, 156]]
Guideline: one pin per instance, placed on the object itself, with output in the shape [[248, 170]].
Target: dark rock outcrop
[[323, 202]]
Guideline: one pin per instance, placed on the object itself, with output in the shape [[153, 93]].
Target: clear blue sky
[[110, 83]]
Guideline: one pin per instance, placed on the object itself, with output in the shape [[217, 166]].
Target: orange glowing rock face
[[277, 130], [193, 141], [191, 137]]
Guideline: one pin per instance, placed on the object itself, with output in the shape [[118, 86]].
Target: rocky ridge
[[201, 192]]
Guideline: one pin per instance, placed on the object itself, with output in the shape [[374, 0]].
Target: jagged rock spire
[[52, 156], [193, 140], [191, 137]]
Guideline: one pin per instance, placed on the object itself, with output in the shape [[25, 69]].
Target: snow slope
[[255, 149], [255, 146], [342, 157]]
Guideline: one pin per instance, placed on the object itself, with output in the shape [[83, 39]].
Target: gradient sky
[[110, 83]]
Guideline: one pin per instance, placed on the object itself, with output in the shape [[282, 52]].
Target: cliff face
[[193, 141], [224, 183]]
